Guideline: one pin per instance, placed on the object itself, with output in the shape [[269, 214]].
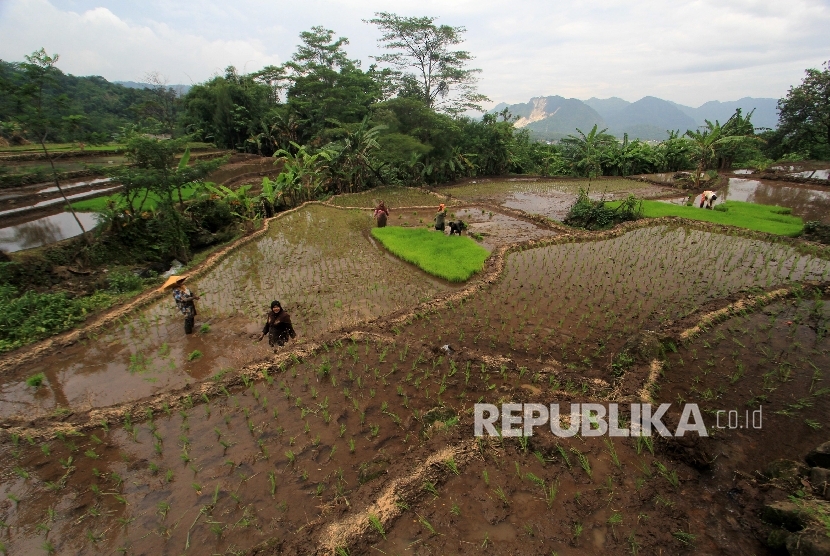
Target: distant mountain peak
[[554, 117]]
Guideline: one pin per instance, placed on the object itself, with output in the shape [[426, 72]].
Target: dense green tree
[[325, 84], [804, 117], [227, 110]]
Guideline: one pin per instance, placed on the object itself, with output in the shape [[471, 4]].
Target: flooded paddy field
[[547, 196], [358, 438], [325, 281], [575, 305], [394, 197], [810, 202]]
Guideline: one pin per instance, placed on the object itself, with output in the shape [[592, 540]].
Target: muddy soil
[[364, 445], [547, 197], [394, 197], [576, 305], [495, 228], [324, 283]]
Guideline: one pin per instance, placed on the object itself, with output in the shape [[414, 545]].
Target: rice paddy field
[[393, 197], [358, 437], [549, 197]]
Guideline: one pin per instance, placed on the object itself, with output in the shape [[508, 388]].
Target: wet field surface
[[325, 283], [549, 197], [810, 202], [308, 447]]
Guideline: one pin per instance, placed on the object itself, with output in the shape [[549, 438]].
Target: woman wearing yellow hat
[[185, 300]]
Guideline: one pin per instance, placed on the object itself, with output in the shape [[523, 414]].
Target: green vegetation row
[[761, 218], [453, 258]]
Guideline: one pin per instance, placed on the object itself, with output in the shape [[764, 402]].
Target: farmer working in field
[[278, 326], [707, 198], [381, 214], [185, 300], [440, 218]]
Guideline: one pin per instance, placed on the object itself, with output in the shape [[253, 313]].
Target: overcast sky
[[685, 51]]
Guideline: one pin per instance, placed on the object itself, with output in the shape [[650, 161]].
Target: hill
[[554, 117], [181, 90], [104, 107]]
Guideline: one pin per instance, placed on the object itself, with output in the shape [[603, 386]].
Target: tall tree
[[427, 66], [804, 115], [40, 119]]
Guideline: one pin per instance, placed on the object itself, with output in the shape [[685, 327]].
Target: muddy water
[[319, 262], [808, 202], [44, 231], [394, 197], [550, 198], [578, 303], [814, 174], [495, 228]]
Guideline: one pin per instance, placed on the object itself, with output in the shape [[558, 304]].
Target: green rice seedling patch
[[751, 216], [453, 258]]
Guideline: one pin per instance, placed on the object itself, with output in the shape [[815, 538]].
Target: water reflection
[[44, 231], [814, 174], [808, 203]]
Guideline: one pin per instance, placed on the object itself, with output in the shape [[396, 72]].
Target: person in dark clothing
[[381, 214], [278, 326]]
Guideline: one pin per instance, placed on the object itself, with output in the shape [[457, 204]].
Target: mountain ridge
[[650, 118]]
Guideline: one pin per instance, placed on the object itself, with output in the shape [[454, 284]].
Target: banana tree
[[706, 143], [303, 175], [585, 151]]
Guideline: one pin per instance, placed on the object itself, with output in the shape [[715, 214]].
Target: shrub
[[124, 281], [598, 215], [35, 380]]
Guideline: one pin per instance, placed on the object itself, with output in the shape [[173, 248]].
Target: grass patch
[[454, 258], [762, 218], [98, 204]]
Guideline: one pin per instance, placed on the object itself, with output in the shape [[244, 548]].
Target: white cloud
[[688, 51], [98, 42]]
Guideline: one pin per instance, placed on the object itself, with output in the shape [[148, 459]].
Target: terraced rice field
[[358, 438]]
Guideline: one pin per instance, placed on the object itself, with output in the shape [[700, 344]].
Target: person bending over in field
[[440, 218], [278, 326], [707, 198], [381, 214]]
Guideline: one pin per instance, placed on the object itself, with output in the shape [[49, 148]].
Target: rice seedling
[[376, 524]]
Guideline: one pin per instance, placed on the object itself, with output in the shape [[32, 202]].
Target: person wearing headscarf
[[440, 218], [707, 198], [381, 214], [278, 326]]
